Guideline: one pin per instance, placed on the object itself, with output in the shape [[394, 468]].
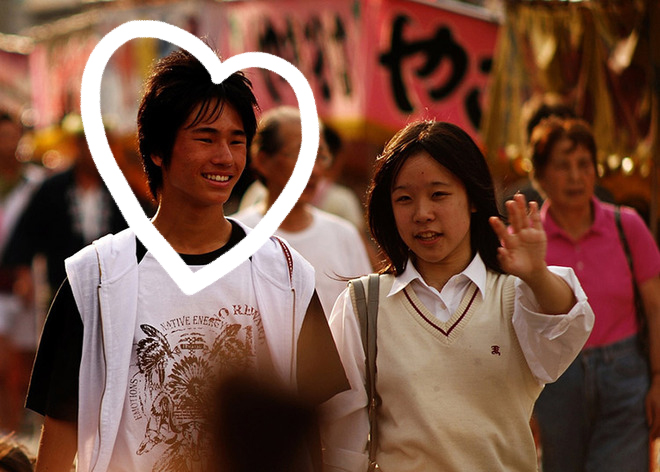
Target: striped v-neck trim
[[434, 324]]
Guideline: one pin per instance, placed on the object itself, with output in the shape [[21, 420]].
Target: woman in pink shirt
[[598, 415]]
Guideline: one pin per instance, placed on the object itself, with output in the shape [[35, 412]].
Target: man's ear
[[157, 160], [259, 163]]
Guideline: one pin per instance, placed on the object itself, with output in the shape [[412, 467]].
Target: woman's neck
[[574, 221], [437, 274]]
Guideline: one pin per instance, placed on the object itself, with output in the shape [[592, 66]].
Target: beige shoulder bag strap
[[367, 316]]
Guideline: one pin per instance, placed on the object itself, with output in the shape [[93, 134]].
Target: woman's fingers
[[500, 229], [520, 216], [535, 215]]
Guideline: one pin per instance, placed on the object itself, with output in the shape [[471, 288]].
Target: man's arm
[[53, 390], [320, 372], [344, 422], [57, 446]]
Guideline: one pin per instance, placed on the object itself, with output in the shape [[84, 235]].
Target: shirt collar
[[475, 272], [553, 229]]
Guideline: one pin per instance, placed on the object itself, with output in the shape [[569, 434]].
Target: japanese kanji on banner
[[373, 65], [377, 63]]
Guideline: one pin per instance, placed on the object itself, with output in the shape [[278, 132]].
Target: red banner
[[372, 64], [426, 62], [382, 63], [14, 82]]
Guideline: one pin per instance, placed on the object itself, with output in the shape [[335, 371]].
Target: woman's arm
[[650, 293]]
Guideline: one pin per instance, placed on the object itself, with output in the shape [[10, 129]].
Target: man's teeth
[[217, 178]]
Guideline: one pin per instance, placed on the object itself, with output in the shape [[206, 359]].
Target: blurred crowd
[[52, 207]]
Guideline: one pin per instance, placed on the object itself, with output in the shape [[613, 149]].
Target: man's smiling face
[[207, 160]]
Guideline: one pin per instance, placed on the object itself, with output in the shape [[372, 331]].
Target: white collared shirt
[[442, 304]]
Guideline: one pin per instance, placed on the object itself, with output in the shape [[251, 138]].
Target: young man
[[132, 386]]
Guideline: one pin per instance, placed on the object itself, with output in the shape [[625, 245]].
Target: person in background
[[14, 457], [538, 112], [128, 363], [69, 210], [598, 415], [331, 244], [471, 321], [329, 196], [18, 320], [276, 422], [333, 197]]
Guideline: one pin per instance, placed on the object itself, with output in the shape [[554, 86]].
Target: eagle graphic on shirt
[[174, 386]]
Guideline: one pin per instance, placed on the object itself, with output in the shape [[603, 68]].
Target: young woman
[[471, 321]]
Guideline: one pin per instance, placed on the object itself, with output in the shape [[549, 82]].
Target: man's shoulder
[[58, 180], [249, 216], [276, 260], [51, 190], [330, 221], [113, 249]]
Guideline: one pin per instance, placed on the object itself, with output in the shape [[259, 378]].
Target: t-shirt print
[[179, 364], [182, 348]]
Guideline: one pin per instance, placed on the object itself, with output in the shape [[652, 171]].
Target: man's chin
[[308, 194]]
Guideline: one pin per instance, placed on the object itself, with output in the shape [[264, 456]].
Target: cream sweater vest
[[456, 396]]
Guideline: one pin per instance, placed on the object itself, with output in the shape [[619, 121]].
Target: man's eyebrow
[[210, 130], [204, 129]]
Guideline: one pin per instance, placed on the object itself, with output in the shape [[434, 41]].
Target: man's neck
[[299, 218], [193, 232]]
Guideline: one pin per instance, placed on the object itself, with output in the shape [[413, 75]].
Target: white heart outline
[[188, 281]]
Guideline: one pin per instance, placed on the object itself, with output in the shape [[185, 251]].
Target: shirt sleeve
[[643, 248], [344, 420], [551, 342], [54, 383]]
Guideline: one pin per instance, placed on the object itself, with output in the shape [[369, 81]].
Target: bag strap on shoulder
[[639, 304], [367, 312]]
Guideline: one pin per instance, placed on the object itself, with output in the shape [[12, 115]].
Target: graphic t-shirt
[[181, 345], [181, 349]]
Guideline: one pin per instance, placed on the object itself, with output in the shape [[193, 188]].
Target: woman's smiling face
[[432, 213]]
